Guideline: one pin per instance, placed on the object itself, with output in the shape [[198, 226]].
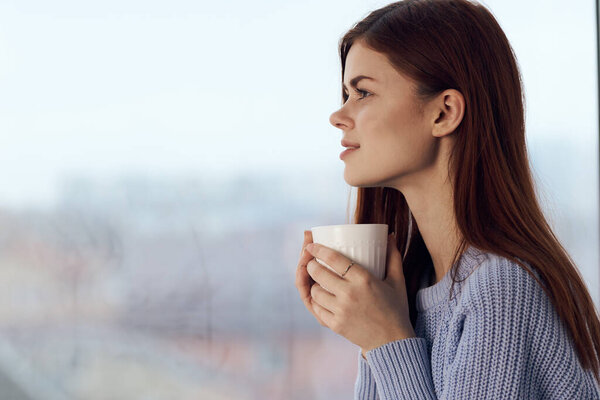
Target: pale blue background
[[160, 161]]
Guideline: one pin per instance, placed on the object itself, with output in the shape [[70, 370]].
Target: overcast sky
[[117, 87]]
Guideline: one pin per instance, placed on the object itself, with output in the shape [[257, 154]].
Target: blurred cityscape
[[183, 287], [168, 289]]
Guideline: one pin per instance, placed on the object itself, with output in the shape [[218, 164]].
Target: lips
[[347, 151], [349, 144]]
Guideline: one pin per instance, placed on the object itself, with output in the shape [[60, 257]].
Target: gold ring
[[351, 264]]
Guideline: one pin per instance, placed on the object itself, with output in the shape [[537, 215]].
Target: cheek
[[400, 146], [397, 136], [406, 132]]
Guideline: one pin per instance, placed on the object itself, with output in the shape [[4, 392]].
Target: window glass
[[161, 162]]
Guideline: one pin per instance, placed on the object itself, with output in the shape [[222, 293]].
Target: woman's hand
[[303, 280], [365, 310]]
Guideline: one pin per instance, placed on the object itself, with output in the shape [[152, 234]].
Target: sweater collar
[[428, 297]]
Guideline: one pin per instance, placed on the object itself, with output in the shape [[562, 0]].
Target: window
[[160, 163]]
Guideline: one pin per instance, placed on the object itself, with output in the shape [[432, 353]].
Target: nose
[[339, 120]]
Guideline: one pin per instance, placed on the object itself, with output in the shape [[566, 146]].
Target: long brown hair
[[458, 44]]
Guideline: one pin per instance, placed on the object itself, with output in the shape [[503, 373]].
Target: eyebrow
[[354, 81]]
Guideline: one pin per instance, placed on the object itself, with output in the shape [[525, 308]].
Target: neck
[[432, 207]]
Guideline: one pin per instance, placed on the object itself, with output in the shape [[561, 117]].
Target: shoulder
[[505, 314], [502, 298], [498, 283]]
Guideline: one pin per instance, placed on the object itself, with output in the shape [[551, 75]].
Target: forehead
[[362, 60]]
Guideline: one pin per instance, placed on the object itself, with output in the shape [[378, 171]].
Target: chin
[[367, 180], [358, 181]]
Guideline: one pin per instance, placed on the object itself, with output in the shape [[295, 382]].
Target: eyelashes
[[362, 93]]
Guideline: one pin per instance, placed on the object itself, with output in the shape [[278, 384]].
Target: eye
[[362, 93]]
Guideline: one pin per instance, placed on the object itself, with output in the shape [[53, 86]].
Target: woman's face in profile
[[395, 138]]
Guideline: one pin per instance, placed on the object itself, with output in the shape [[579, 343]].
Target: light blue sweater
[[499, 338]]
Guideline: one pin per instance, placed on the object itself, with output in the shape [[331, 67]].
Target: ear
[[447, 112]]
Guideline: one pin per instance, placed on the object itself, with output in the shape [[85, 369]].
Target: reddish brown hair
[[458, 44]]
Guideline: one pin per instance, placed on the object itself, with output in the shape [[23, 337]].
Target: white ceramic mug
[[365, 244]]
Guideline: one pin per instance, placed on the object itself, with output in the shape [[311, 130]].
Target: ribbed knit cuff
[[364, 388], [401, 369]]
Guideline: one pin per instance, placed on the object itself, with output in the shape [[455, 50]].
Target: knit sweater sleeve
[[364, 387], [509, 344]]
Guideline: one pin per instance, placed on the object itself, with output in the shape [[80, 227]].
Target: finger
[[305, 257], [304, 289], [325, 277], [303, 280], [312, 310], [337, 261], [323, 298], [323, 314], [303, 283], [307, 239]]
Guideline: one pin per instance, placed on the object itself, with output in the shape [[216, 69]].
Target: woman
[[480, 300]]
